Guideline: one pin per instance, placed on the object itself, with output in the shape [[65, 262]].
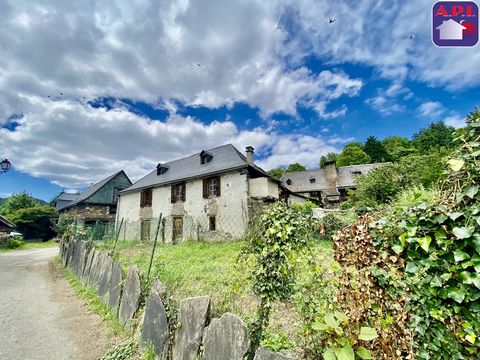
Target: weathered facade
[[98, 203], [328, 185], [204, 196]]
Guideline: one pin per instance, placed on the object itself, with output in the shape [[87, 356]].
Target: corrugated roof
[[224, 158], [301, 180], [91, 190]]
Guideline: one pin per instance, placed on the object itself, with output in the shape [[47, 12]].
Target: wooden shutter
[[173, 197], [148, 197], [218, 185], [184, 191], [205, 188], [142, 199]]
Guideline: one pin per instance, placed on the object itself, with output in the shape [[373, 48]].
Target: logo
[[455, 23]]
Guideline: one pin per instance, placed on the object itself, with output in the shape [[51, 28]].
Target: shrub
[[15, 242], [35, 222]]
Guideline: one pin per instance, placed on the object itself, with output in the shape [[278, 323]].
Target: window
[[211, 187], [356, 173], [312, 180], [289, 182], [212, 223], [205, 157], [161, 169], [178, 192], [146, 198]]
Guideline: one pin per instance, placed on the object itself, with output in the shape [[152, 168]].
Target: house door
[[177, 229], [145, 230]]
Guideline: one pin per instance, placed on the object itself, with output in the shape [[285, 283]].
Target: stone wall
[[197, 335], [91, 212]]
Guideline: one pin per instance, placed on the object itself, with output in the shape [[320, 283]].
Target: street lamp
[[5, 165]]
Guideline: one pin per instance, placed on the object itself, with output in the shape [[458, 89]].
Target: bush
[[35, 222], [14, 242]]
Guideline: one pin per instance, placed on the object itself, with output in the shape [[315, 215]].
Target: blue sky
[[87, 90]]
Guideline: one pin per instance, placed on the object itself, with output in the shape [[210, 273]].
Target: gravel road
[[40, 315]]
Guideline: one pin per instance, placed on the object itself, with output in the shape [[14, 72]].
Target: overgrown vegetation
[[412, 270]]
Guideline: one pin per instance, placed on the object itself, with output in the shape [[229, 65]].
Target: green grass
[[31, 245], [194, 269]]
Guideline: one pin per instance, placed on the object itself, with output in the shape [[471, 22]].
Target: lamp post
[[5, 166]]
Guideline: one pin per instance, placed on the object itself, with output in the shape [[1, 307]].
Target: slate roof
[[67, 196], [345, 178], [5, 222], [90, 191], [224, 158]]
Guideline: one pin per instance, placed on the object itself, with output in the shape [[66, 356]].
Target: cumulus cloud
[[431, 109], [74, 144]]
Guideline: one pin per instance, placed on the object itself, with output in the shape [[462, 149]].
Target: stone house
[[328, 185], [96, 204], [208, 195]]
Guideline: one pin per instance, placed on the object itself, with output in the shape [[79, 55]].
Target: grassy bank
[[194, 269]]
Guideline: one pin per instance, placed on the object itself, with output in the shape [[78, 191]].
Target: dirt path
[[40, 315]]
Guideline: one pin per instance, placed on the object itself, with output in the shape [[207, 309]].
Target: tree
[[35, 222], [353, 154], [398, 147], [331, 156], [17, 202], [295, 167], [374, 148], [277, 172], [437, 136]]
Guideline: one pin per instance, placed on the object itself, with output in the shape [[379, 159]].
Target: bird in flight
[[412, 36], [332, 20], [198, 65]]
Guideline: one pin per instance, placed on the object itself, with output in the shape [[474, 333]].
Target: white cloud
[[73, 144], [384, 105], [431, 109], [455, 120], [208, 53]]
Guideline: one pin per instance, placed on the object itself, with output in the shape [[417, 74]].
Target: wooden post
[[116, 237]]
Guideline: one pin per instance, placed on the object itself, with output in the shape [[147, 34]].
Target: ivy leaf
[[457, 294], [411, 267], [460, 255], [456, 164], [470, 278], [425, 242], [364, 353], [471, 190], [463, 232], [397, 248], [455, 215], [440, 218], [367, 333], [329, 355], [345, 353]]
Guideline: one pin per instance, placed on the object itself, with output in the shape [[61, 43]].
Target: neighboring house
[[6, 226], [208, 195], [328, 185], [97, 203]]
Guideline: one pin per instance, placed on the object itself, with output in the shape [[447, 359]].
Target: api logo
[[455, 23]]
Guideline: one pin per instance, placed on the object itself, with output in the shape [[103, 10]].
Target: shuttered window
[[146, 198], [211, 187], [178, 192]]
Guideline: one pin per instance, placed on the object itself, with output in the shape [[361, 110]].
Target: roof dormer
[[205, 157], [162, 169]]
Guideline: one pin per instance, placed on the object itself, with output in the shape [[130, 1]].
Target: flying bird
[[198, 65], [412, 36], [61, 94], [332, 20]]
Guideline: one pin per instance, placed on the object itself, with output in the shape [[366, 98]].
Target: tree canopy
[[437, 136], [398, 147], [375, 149], [331, 156], [295, 167], [353, 154], [277, 172]]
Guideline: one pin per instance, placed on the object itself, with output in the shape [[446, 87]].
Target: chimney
[[331, 174], [250, 150]]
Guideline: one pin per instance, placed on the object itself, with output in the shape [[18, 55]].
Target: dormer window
[[312, 180], [162, 169], [205, 157], [356, 173], [289, 182]]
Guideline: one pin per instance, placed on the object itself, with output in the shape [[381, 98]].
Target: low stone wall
[[197, 336]]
